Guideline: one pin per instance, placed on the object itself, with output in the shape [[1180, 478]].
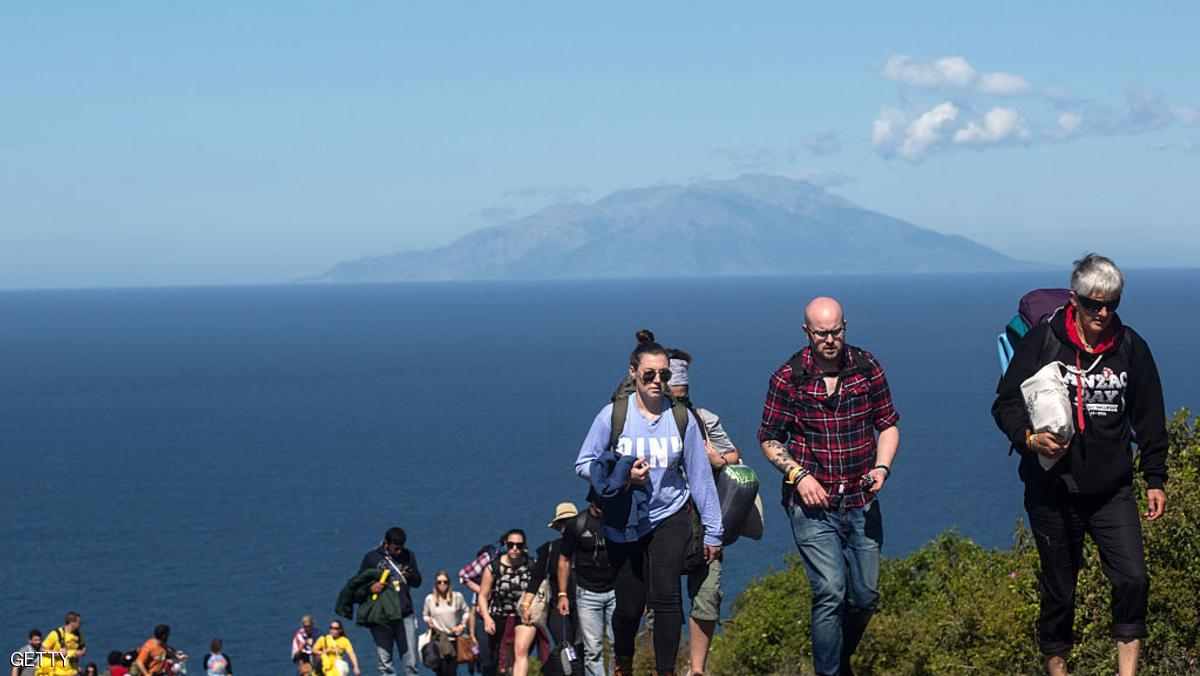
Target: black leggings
[[1058, 521], [646, 574]]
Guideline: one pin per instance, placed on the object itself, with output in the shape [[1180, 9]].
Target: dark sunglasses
[[822, 335], [1094, 306], [515, 545], [663, 374], [443, 581]]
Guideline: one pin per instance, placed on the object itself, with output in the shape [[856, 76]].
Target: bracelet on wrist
[[793, 474], [887, 471], [562, 593]]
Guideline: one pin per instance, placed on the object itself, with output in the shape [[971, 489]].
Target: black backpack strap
[[620, 409], [796, 362], [1050, 346], [680, 411]]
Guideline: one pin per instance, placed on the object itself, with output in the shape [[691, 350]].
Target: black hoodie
[[1122, 401]]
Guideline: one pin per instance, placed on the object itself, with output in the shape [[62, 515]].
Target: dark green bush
[[954, 607]]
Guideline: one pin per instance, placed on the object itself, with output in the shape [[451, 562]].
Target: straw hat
[[564, 510]]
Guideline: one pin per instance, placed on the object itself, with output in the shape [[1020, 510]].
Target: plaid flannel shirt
[[833, 437], [473, 571]]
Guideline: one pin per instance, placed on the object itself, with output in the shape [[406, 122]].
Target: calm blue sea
[[219, 459]]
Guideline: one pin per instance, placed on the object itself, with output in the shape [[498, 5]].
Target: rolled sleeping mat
[[737, 487]]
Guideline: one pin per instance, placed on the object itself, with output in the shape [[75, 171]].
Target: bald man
[[830, 428]]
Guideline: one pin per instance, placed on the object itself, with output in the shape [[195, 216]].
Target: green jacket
[[385, 609]]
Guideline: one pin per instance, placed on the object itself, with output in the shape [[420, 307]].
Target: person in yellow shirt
[[333, 648], [66, 643]]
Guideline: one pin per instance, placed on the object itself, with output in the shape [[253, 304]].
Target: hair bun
[[644, 336]]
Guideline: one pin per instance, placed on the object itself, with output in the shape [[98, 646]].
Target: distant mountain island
[[752, 225]]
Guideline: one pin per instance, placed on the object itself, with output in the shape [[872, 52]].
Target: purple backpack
[[1036, 307]]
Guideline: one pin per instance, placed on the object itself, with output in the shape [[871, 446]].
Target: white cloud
[[950, 71], [886, 133], [944, 100], [998, 125], [1189, 147], [822, 144], [1069, 124], [1003, 84], [926, 130], [1186, 115]]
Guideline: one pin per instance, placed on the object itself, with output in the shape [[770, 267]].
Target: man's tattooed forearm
[[778, 455]]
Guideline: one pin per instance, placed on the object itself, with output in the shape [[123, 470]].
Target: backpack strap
[[1050, 346], [855, 363], [620, 409], [680, 411]]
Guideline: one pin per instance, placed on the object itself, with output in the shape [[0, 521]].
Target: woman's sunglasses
[[649, 374], [443, 581], [1094, 306], [515, 545]]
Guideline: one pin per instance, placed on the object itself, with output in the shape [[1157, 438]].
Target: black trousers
[[647, 573], [1059, 521], [486, 665]]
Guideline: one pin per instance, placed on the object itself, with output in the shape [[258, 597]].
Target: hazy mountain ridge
[[752, 225]]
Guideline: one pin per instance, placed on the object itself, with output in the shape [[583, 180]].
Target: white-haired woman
[[1115, 396]]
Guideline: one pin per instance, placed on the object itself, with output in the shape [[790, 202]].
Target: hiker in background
[[33, 645], [1115, 395], [823, 410], [470, 576], [392, 555], [153, 655], [704, 582], [632, 456], [334, 649], [116, 664], [67, 644], [559, 626], [447, 615], [216, 663], [500, 591], [302, 646], [91, 669], [584, 556]]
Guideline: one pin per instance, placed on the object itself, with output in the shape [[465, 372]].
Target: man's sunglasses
[[823, 335], [1094, 306], [649, 374], [515, 545]]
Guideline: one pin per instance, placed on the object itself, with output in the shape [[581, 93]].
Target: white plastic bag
[[1049, 406]]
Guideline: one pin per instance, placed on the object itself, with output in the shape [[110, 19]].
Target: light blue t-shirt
[[658, 443]]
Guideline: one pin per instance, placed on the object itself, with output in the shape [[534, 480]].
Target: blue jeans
[[840, 548], [387, 636], [595, 612]]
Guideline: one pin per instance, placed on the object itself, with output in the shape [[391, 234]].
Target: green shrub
[[954, 607]]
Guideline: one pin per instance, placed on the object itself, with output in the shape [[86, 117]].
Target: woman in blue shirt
[[658, 474]]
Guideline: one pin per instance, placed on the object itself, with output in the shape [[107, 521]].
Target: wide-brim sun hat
[[564, 510]]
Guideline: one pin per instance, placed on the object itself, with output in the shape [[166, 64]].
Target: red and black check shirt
[[833, 437]]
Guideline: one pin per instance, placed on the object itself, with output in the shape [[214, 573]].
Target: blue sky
[[223, 143]]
